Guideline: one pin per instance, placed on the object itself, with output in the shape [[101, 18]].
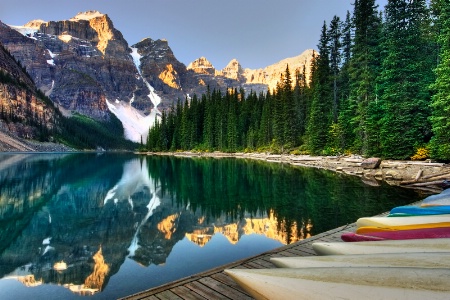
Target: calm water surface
[[110, 225]]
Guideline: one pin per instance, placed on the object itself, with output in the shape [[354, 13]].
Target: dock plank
[[168, 295], [224, 289], [225, 279], [186, 293], [204, 291]]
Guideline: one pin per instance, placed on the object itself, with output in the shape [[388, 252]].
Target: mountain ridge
[[85, 65]]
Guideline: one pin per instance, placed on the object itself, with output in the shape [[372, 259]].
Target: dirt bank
[[10, 143]]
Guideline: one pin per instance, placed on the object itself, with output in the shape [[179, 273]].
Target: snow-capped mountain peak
[[87, 15]]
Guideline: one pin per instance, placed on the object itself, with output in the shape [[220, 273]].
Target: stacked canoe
[[405, 255], [429, 220]]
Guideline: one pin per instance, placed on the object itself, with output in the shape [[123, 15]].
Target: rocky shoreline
[[426, 176]]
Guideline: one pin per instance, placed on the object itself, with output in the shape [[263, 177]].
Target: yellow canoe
[[367, 229]]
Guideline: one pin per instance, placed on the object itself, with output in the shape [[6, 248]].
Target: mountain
[[24, 112], [85, 66], [258, 80], [79, 63], [270, 75]]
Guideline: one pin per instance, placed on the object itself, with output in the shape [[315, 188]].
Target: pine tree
[[334, 35], [322, 98], [345, 136], [440, 118], [185, 127], [279, 114], [290, 125], [405, 79], [208, 124], [265, 129], [364, 70]]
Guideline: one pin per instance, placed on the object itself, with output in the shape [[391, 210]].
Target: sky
[[257, 33]]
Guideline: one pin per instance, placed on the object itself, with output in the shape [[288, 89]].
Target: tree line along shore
[[378, 87]]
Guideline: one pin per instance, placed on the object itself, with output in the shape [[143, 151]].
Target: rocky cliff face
[[271, 74], [22, 112], [233, 70], [202, 66], [78, 63], [171, 78]]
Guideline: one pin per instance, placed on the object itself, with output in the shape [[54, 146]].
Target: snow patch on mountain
[[135, 123], [25, 30], [137, 62]]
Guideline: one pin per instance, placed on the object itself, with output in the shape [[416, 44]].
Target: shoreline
[[425, 176]]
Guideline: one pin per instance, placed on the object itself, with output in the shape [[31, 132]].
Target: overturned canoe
[[437, 200], [428, 226], [344, 283], [409, 210], [403, 221], [420, 260], [385, 246], [389, 234]]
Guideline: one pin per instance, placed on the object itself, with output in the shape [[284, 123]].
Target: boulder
[[371, 163]]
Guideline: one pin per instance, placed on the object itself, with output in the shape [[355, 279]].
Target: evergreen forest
[[379, 86]]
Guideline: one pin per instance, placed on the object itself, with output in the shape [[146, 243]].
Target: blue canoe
[[403, 211]]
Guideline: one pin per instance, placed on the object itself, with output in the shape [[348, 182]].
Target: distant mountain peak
[[87, 15], [233, 70], [35, 24], [202, 66]]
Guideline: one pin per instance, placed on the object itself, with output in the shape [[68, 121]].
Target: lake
[[109, 225]]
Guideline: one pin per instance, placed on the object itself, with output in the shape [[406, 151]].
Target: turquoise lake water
[[104, 226]]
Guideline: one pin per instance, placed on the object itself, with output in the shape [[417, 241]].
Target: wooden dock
[[215, 284]]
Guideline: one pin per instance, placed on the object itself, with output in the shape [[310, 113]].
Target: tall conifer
[[322, 98], [364, 70], [440, 118], [405, 78]]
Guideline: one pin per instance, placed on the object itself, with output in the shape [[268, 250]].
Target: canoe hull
[[344, 283], [421, 260], [426, 233], [419, 211], [431, 226], [385, 246], [405, 221]]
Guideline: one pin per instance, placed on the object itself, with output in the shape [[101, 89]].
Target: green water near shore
[[137, 222]]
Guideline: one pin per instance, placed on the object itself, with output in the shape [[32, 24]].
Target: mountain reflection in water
[[111, 225]]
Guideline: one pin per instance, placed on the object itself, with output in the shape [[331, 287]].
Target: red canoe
[[422, 233]]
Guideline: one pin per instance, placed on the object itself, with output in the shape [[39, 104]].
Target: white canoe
[[344, 283], [385, 246], [419, 260], [401, 221]]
